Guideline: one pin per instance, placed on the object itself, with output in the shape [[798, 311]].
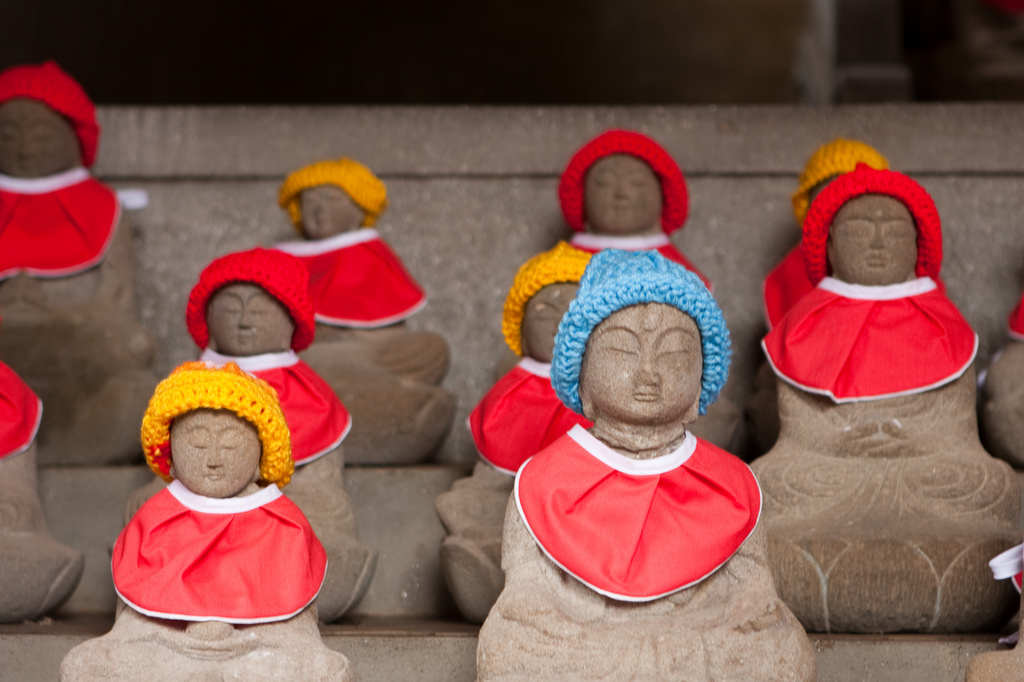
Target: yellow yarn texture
[[561, 264], [834, 158], [354, 178], [196, 385]]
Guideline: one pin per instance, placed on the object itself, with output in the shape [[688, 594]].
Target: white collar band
[[890, 292], [315, 247], [44, 185], [536, 367], [628, 465], [629, 243], [252, 363], [227, 505]]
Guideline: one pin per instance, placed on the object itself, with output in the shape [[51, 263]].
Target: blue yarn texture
[[618, 279]]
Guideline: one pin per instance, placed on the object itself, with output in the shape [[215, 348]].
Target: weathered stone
[[1002, 411]]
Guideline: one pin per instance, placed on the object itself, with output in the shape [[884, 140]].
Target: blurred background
[[524, 51]]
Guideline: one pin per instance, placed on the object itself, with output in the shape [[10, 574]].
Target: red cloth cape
[[520, 416], [58, 232], [316, 418], [637, 536], [855, 343], [1016, 322], [592, 243], [188, 557], [786, 284], [20, 412], [356, 280]]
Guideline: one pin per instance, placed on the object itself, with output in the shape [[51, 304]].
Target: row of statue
[[606, 533]]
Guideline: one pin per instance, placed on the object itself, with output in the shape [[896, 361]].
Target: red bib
[[637, 530], [356, 280], [249, 559], [786, 284], [592, 243], [20, 412], [317, 420], [55, 226], [855, 343], [1016, 322], [520, 416]]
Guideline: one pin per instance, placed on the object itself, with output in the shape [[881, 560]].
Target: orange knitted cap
[[49, 84], [866, 180], [571, 189], [282, 275], [831, 160]]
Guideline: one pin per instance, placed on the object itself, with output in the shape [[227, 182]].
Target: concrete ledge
[[384, 650]]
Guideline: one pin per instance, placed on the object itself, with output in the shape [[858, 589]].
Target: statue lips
[[647, 394]]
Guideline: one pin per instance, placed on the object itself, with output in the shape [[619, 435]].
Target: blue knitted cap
[[618, 279]]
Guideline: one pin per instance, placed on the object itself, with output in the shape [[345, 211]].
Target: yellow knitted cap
[[561, 264], [354, 178], [195, 385], [834, 158]]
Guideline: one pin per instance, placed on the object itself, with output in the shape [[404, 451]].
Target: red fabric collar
[[592, 243], [317, 419], [637, 530], [356, 280], [519, 417], [258, 565], [853, 348], [56, 233], [20, 413], [786, 284]]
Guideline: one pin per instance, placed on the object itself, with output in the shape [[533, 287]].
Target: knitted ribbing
[[618, 279], [572, 188], [49, 84], [195, 385], [866, 180], [561, 264], [282, 275], [830, 160], [352, 177]]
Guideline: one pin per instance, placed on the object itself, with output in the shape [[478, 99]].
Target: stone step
[[394, 510], [383, 649]]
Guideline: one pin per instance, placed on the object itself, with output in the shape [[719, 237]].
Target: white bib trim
[[228, 505], [46, 184], [535, 367], [1008, 564], [251, 363], [628, 465], [890, 292], [316, 247], [646, 242]]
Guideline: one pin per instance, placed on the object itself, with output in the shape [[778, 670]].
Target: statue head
[[623, 183], [541, 293], [872, 228], [47, 122], [252, 302], [643, 343], [829, 161], [328, 198], [217, 430]]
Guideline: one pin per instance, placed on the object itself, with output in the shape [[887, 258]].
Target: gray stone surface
[[394, 509], [441, 652]]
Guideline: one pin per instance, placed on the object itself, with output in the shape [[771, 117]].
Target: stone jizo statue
[[1002, 666], [633, 550], [1002, 414], [218, 574], [787, 283], [881, 506], [386, 374], [37, 572], [519, 417], [67, 267]]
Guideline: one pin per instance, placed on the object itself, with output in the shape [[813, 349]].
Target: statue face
[[35, 141], [623, 197], [215, 453], [642, 367], [245, 320], [541, 317], [873, 242], [328, 210]]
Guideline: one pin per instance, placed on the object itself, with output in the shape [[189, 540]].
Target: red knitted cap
[[675, 199], [867, 180], [48, 84], [282, 275]]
